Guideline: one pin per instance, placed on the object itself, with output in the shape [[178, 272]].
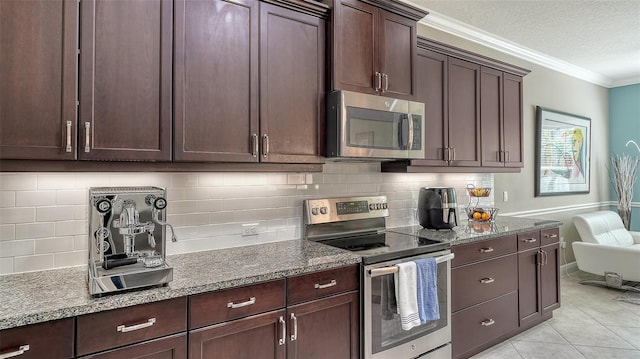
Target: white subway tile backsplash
[[35, 198], [53, 245], [17, 215], [7, 232], [48, 228], [16, 248], [70, 228], [33, 263], [7, 199], [18, 182], [34, 230]]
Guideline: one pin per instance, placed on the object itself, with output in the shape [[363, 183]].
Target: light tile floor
[[590, 323]]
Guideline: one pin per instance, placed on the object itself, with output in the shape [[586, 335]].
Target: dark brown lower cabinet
[[53, 340], [173, 347], [257, 336], [325, 328]]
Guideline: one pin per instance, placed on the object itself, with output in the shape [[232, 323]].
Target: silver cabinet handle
[[488, 322], [453, 151], [68, 149], [378, 81], [323, 286], [283, 325], [87, 133], [20, 351], [508, 157], [529, 240], [447, 157], [294, 336], [410, 132], [545, 257], [232, 305], [551, 235], [486, 250], [265, 145], [487, 280], [386, 82], [254, 145], [123, 328]]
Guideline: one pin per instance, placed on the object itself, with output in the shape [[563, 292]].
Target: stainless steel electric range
[[357, 224]]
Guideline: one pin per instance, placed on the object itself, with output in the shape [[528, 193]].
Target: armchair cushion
[[603, 227]]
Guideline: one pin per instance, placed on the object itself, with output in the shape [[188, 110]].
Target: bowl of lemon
[[484, 214]]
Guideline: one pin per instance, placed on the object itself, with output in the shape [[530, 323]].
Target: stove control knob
[[314, 211], [323, 210], [385, 206], [372, 207]]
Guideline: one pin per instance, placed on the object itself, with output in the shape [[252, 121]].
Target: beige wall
[[551, 89]]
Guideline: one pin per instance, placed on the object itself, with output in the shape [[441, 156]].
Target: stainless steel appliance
[[361, 126], [437, 208], [357, 224], [127, 238]]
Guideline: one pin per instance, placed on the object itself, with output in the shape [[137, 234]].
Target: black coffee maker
[[437, 208]]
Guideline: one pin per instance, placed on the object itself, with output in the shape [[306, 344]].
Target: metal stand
[[611, 280]]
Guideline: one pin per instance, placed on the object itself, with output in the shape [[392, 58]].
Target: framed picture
[[563, 153]]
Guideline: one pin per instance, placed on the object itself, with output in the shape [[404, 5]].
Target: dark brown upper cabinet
[[38, 81], [125, 80], [248, 90], [374, 47], [501, 113], [473, 112]]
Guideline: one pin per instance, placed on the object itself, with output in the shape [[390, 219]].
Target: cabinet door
[[550, 278], [491, 117], [174, 347], [529, 286], [125, 80], [464, 112], [216, 80], [355, 46], [258, 336], [38, 81], [512, 120], [397, 56], [431, 70], [291, 85], [325, 328]]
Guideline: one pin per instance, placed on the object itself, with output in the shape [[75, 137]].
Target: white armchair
[[607, 249]]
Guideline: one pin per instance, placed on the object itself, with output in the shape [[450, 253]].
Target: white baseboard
[[568, 268]]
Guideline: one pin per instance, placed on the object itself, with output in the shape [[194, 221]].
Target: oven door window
[[386, 330], [375, 129]]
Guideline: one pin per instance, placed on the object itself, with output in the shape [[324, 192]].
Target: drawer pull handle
[[294, 336], [551, 235], [486, 250], [233, 305], [87, 137], [529, 240], [488, 322], [323, 286], [487, 280], [20, 351], [68, 148], [123, 328], [283, 325]]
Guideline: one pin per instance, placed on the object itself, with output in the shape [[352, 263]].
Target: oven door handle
[[394, 269]]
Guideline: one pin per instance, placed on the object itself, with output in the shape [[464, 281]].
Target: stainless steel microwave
[[361, 126]]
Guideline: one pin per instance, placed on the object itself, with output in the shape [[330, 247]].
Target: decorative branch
[[633, 142], [623, 176]]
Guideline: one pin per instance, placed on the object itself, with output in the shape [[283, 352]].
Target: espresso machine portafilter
[[127, 246]]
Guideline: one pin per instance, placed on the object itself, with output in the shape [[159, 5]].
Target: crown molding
[[468, 32]]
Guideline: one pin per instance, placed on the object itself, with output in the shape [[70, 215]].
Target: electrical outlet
[[563, 244], [249, 229], [505, 196]]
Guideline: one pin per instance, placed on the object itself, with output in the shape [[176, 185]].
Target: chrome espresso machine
[[127, 238]]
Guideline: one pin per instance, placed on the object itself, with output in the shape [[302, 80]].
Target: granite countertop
[[34, 297], [472, 231]]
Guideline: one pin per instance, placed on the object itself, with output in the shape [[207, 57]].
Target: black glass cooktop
[[384, 246]]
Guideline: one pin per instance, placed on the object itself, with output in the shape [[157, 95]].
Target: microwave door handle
[[410, 131]]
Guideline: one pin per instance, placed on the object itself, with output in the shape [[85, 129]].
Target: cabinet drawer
[[118, 327], [216, 307], [477, 251], [476, 283], [549, 236], [46, 340], [173, 347], [528, 240], [320, 284], [478, 325]]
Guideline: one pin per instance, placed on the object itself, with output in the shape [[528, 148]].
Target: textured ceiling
[[602, 37]]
